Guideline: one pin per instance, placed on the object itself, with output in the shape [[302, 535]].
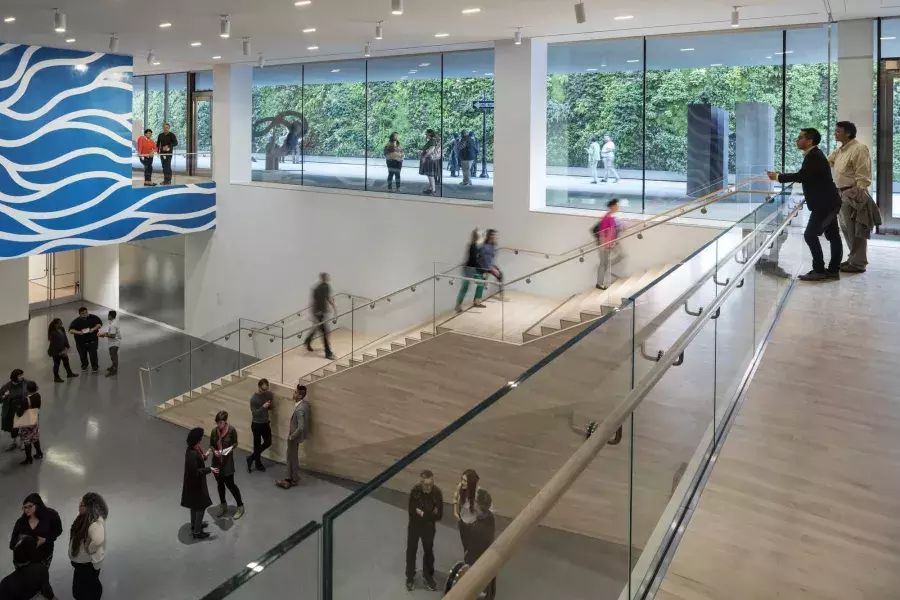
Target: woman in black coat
[[10, 395], [58, 349], [194, 491]]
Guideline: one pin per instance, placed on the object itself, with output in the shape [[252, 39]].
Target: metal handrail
[[490, 563], [297, 313]]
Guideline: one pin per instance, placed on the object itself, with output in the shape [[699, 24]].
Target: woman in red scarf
[[194, 492]]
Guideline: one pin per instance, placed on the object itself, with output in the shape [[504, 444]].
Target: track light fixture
[[151, 57], [580, 14], [246, 45], [368, 49], [736, 17], [261, 62], [396, 7], [225, 27], [113, 43], [517, 38], [59, 21], [379, 30]]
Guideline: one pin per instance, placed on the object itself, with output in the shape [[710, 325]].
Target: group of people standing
[[836, 191], [462, 156], [164, 146], [472, 511], [32, 542], [602, 157]]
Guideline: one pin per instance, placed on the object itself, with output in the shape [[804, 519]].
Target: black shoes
[[813, 276], [249, 464], [848, 268], [200, 536], [39, 456], [58, 380], [329, 356], [430, 584], [832, 274], [261, 467], [72, 375], [410, 585], [27, 461]]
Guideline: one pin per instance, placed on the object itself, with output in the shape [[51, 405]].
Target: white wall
[[100, 280], [14, 291], [856, 78]]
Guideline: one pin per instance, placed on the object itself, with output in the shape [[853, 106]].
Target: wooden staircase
[[206, 388], [592, 304]]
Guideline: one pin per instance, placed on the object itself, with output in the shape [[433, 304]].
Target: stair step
[[589, 316], [314, 377], [411, 340], [426, 335], [566, 323], [545, 330], [215, 385], [367, 357], [329, 371], [341, 367], [395, 346], [442, 329], [527, 336], [355, 361], [382, 351]]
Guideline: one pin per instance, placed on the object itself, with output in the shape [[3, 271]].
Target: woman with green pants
[[470, 271]]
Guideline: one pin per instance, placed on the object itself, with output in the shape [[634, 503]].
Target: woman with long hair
[[58, 349], [27, 422], [194, 491], [464, 505], [223, 441], [11, 394], [87, 547], [430, 161], [393, 155], [38, 522]]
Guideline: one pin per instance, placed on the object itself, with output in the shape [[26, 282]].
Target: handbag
[[29, 418]]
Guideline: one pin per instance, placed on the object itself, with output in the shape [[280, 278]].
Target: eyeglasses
[[27, 506]]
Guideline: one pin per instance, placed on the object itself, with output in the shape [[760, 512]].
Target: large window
[[330, 124], [650, 121]]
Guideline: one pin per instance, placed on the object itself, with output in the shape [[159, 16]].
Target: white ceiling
[[344, 26]]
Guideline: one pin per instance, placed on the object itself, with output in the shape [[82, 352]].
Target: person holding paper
[[223, 441], [194, 491], [85, 329], [113, 334]]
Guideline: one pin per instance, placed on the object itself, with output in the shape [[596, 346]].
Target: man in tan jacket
[[851, 164]]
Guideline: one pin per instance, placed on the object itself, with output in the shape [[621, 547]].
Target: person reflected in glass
[[594, 159], [464, 505], [468, 152], [430, 162], [166, 143], [486, 255], [223, 441], [11, 394], [393, 155], [40, 523], [470, 271], [476, 148], [608, 153], [453, 156], [146, 148], [426, 509], [58, 349], [481, 536], [194, 490]]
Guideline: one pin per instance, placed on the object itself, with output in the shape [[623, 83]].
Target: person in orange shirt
[[146, 148]]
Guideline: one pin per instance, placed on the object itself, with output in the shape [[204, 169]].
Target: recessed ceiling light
[[396, 7], [887, 37], [155, 63], [309, 30], [312, 48], [303, 3], [13, 19], [602, 65], [590, 70], [59, 21], [623, 18], [216, 57], [195, 44], [783, 53], [335, 70], [633, 60], [70, 40], [716, 65], [471, 11], [441, 34], [425, 64], [489, 74], [165, 24], [475, 71], [413, 71], [686, 49], [768, 57]]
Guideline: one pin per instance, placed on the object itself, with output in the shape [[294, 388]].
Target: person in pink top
[[606, 231]]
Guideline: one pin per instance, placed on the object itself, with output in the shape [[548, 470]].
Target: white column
[[232, 110], [520, 126], [100, 283], [856, 47], [14, 291]]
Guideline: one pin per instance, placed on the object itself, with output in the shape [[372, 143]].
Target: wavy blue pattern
[[65, 157]]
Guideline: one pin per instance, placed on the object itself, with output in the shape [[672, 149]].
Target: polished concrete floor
[[97, 437]]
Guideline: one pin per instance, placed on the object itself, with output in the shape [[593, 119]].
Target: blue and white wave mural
[[65, 157]]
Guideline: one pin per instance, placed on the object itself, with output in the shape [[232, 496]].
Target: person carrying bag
[[26, 419]]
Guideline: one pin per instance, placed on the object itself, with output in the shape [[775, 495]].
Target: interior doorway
[[887, 185], [54, 278], [200, 143]]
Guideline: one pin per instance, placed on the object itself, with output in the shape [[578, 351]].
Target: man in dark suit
[[823, 202]]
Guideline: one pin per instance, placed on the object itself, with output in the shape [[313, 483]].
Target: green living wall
[[582, 105]]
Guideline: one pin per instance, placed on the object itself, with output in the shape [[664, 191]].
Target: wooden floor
[[804, 500]]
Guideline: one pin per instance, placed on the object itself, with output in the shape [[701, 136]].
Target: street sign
[[483, 105]]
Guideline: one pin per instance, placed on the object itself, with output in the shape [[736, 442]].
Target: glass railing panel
[[213, 360], [672, 430], [262, 349], [166, 381], [470, 303], [281, 568], [186, 168], [515, 441], [665, 196]]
